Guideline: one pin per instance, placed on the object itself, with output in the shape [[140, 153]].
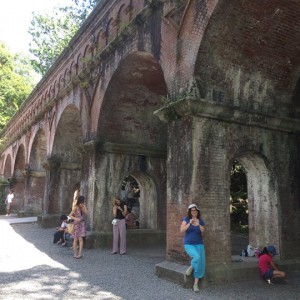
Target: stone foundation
[[220, 273], [134, 237]]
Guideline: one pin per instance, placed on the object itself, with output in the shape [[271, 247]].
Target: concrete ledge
[[220, 273], [174, 272], [27, 213], [48, 221], [134, 237]]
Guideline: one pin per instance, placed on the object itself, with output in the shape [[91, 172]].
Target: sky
[[15, 17]]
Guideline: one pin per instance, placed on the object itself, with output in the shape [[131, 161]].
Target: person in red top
[[268, 269]]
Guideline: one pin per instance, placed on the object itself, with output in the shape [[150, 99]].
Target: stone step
[[220, 273]]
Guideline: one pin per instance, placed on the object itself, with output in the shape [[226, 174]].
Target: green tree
[[239, 195], [238, 187], [52, 33], [23, 67], [14, 86]]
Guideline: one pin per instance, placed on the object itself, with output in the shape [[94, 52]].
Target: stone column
[[18, 187], [61, 178], [196, 173], [34, 191], [52, 174], [88, 180]]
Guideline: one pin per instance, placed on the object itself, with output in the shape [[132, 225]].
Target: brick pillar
[[198, 173], [87, 188], [34, 191], [61, 176], [52, 175], [18, 189]]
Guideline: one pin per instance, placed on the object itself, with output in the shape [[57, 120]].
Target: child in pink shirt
[[268, 269]]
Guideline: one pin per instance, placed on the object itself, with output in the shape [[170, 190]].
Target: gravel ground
[[32, 267]]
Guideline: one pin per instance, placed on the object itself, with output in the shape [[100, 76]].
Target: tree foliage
[[238, 187], [239, 195], [52, 33], [15, 83]]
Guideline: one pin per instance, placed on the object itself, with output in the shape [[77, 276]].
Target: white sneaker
[[196, 288], [6, 215], [189, 271]]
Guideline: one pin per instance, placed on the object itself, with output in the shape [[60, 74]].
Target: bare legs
[[278, 274], [75, 247], [80, 247], [80, 240]]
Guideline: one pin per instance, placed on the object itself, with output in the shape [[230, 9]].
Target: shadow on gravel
[[32, 267], [98, 274]]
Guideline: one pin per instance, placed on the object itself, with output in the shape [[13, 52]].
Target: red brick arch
[[8, 167]]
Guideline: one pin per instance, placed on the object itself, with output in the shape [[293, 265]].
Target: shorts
[[268, 274]]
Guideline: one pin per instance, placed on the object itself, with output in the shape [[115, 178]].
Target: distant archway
[[7, 168], [66, 160], [262, 201], [18, 179], [146, 201], [36, 175], [238, 209]]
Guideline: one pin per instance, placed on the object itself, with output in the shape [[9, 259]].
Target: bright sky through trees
[[15, 17]]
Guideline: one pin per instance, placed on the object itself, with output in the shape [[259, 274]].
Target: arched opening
[[7, 168], [5, 183], [238, 209], [18, 179], [132, 96], [139, 192], [36, 175], [262, 202], [66, 161], [130, 193], [132, 141]]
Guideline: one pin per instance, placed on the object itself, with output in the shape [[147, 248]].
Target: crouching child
[[268, 269]]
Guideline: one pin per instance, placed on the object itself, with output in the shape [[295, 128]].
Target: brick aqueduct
[[170, 93]]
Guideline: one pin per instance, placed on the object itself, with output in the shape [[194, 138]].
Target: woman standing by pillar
[[79, 214], [193, 226], [119, 226]]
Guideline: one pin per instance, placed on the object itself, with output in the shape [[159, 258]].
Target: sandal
[[196, 288], [189, 271]]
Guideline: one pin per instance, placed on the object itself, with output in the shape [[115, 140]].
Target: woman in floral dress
[[79, 214]]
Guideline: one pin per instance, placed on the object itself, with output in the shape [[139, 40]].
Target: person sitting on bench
[[59, 235]]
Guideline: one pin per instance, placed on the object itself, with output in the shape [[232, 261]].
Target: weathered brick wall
[[212, 146], [18, 201], [244, 59], [226, 72], [34, 196], [111, 169]]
